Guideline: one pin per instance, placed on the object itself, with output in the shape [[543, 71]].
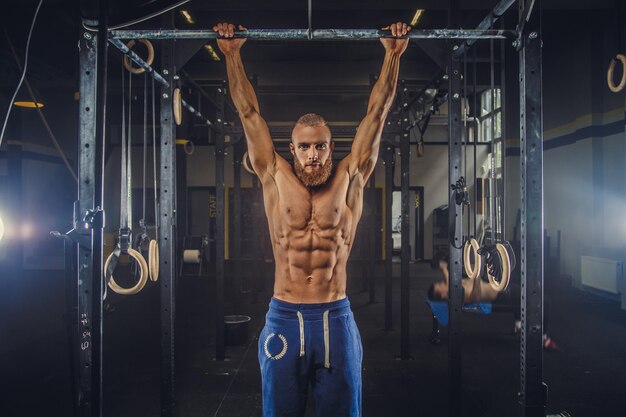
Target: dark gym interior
[[187, 344]]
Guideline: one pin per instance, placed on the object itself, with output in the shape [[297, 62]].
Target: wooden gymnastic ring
[[472, 245], [505, 261], [153, 260], [177, 103], [245, 161], [127, 63], [609, 74], [143, 278]]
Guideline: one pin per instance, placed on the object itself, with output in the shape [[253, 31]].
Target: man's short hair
[[312, 119]]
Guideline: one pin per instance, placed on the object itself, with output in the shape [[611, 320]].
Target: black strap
[[458, 197], [492, 260], [115, 256]]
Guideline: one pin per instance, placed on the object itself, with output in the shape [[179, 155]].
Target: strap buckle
[[125, 239]]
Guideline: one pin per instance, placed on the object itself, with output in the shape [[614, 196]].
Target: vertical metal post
[[388, 155], [236, 219], [181, 195], [533, 392], [374, 234], [219, 225], [167, 244], [503, 136], [92, 129], [405, 234], [455, 299]]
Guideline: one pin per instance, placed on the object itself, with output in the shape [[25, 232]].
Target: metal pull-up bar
[[316, 34]]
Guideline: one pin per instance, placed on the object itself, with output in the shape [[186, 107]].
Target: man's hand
[[397, 46], [228, 45]]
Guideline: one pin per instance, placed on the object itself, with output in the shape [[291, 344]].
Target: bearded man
[[310, 336]]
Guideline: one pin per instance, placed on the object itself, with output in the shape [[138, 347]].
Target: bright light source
[[187, 16], [26, 230], [28, 104], [417, 17], [1, 229], [211, 51]]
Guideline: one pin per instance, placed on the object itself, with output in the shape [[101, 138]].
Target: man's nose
[[313, 154]]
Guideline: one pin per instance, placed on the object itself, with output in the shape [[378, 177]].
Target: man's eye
[[322, 146]]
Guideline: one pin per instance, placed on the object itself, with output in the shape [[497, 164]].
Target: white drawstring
[[301, 320], [326, 341]]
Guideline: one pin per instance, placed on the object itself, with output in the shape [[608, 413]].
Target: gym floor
[[586, 378]]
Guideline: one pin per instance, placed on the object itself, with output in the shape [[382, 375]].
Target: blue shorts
[[316, 344]]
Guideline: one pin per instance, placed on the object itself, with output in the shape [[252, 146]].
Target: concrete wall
[[584, 177]]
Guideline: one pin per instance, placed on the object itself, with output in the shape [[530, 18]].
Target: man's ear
[[332, 145], [292, 149]]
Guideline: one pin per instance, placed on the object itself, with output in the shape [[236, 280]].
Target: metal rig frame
[[89, 216]]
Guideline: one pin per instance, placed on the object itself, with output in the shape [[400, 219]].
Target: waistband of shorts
[[284, 309]]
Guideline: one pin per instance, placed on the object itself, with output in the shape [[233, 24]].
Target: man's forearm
[[384, 90], [241, 90]]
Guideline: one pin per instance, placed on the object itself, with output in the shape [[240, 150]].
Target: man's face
[[311, 148]]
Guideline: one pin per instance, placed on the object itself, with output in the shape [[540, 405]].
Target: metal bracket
[[94, 219]]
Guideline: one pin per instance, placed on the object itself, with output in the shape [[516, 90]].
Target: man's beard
[[317, 177]]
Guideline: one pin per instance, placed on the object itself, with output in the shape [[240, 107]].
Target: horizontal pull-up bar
[[316, 34]]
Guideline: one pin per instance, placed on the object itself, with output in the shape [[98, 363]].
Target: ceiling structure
[[331, 77]]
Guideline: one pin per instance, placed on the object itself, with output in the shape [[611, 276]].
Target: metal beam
[[317, 34], [220, 353], [455, 216], [533, 392], [167, 235], [165, 83], [486, 24], [405, 255], [388, 158]]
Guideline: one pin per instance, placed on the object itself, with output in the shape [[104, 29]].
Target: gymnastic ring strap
[[472, 246], [177, 103], [127, 63], [504, 270], [609, 74], [153, 260], [143, 268], [245, 161], [420, 148]]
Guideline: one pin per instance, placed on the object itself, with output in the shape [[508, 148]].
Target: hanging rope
[[125, 233]]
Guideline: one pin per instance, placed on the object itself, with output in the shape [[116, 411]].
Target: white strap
[[301, 320], [326, 341]]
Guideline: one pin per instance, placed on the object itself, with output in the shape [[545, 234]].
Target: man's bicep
[[259, 140], [366, 144]]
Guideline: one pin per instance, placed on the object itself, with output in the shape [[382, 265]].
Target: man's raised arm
[[260, 146], [366, 143]]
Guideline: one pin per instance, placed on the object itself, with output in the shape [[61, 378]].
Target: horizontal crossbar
[[316, 34]]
